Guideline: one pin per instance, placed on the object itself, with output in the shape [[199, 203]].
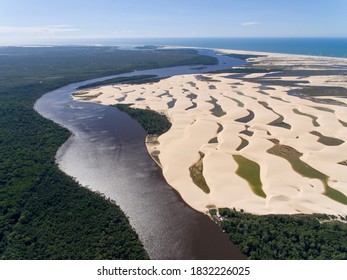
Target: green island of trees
[[317, 236], [154, 123], [45, 214]]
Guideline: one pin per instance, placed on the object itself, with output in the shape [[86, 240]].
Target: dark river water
[[107, 153]]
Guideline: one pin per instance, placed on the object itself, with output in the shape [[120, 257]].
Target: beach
[[264, 141]]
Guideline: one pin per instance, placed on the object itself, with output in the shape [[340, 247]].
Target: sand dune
[[241, 117]]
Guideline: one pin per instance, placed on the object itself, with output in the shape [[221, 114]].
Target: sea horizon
[[315, 46]]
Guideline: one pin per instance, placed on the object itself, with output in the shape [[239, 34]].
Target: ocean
[[333, 47]]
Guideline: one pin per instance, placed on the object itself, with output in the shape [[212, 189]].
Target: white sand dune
[[195, 130]]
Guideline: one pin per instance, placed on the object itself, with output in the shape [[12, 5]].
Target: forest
[[154, 123], [45, 214], [141, 79], [286, 237]]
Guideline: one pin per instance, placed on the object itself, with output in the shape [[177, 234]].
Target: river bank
[[97, 156]]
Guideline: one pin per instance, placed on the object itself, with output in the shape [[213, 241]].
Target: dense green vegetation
[[147, 47], [45, 214], [61, 64], [286, 236], [244, 56], [121, 80], [151, 121]]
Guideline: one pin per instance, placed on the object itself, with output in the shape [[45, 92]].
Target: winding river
[[107, 154]]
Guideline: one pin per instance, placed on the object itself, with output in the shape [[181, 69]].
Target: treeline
[[282, 237], [244, 56], [42, 65], [141, 79], [151, 121], [45, 214]]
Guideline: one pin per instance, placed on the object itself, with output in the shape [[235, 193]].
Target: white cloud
[[50, 29], [248, 23]]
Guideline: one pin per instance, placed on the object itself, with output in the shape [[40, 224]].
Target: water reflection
[[106, 153]]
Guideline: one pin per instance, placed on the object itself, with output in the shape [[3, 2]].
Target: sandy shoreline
[[223, 117], [267, 54]]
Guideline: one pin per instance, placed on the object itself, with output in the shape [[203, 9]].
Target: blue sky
[[40, 21]]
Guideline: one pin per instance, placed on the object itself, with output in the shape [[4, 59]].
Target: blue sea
[[334, 47]]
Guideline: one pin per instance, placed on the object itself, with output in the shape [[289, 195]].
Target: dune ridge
[[254, 107]]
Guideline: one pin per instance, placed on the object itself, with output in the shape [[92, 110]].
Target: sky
[[44, 21]]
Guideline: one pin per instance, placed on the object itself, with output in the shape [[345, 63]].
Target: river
[[107, 154]]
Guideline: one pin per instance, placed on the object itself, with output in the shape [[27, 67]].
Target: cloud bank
[[249, 23]]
